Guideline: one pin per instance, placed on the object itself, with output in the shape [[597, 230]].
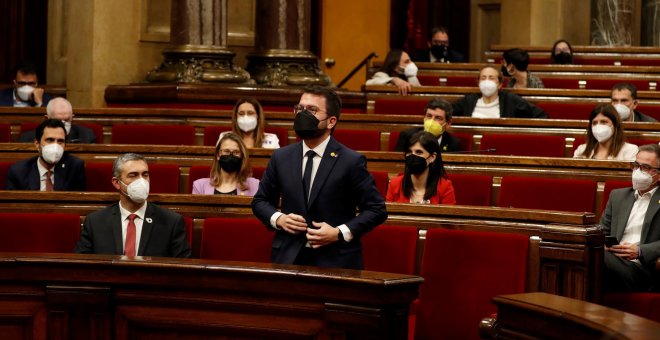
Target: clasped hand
[[296, 224], [628, 251]]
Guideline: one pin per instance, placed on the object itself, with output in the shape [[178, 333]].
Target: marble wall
[[615, 22]]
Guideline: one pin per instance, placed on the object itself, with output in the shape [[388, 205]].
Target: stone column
[[651, 21], [615, 22], [198, 46], [282, 38]]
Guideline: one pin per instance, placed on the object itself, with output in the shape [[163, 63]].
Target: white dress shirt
[[42, 175], [139, 220], [483, 110]]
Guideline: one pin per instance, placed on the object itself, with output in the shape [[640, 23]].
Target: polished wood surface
[[546, 316], [113, 297]]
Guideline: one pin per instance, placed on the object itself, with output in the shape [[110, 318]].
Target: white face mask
[[602, 132], [641, 180], [52, 153], [410, 70], [624, 111], [247, 123], [67, 127], [487, 87], [24, 92], [138, 190]]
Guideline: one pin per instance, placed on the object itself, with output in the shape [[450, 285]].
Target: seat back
[[211, 134], [4, 169], [361, 140], [236, 239], [5, 133], [381, 179], [400, 106], [97, 129], [39, 232], [390, 249], [163, 178], [472, 189], [548, 193], [524, 145], [393, 140], [607, 190], [189, 229], [152, 134], [197, 172], [463, 271]]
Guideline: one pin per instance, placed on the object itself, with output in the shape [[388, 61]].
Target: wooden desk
[[112, 297]]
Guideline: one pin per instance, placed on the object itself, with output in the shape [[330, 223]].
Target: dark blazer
[[640, 117], [615, 219], [7, 98], [448, 143], [341, 185], [78, 134], [164, 236], [511, 106], [452, 56], [69, 174]]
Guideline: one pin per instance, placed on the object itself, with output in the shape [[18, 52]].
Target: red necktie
[[49, 181], [129, 247]]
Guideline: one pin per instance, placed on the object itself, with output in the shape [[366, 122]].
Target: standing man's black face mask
[[306, 125]]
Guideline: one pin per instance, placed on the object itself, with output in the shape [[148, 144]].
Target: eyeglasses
[[23, 83], [227, 152], [645, 167], [311, 108]]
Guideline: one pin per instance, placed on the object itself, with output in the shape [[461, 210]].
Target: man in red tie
[[133, 227]]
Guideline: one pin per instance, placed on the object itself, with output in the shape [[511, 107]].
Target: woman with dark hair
[[605, 139], [397, 70], [561, 53], [248, 121], [424, 179], [230, 170]]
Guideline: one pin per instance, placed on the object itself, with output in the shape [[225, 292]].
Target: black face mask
[[563, 58], [415, 164], [230, 163], [306, 125], [439, 51], [505, 71]]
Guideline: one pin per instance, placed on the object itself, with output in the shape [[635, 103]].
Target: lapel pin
[[333, 154], [148, 219], [63, 165]]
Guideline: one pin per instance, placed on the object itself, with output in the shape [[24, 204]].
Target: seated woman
[[561, 53], [398, 70], [248, 121], [424, 179], [230, 171], [605, 139], [514, 66]]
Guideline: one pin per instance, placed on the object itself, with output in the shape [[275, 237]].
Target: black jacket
[[448, 143], [511, 106], [78, 134]]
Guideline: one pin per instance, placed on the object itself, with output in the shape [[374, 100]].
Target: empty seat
[[4, 169], [547, 193], [39, 232], [153, 134], [524, 145], [463, 271], [393, 140], [236, 239], [390, 249], [5, 133], [163, 178], [567, 110], [400, 106], [472, 189], [211, 134], [360, 140], [646, 305], [189, 229], [381, 179]]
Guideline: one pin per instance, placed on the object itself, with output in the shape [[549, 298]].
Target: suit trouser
[[621, 275]]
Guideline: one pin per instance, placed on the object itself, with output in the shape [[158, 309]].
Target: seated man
[[624, 99], [439, 51], [493, 103], [632, 217], [437, 119], [25, 92], [52, 169], [60, 108], [133, 226]]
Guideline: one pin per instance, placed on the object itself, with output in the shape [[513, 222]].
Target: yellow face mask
[[433, 127]]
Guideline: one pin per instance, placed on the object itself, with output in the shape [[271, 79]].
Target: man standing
[[437, 119], [60, 108], [26, 92], [624, 99], [52, 169], [632, 217], [493, 103], [439, 51], [321, 183], [133, 227]]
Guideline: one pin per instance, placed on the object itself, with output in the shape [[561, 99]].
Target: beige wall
[[351, 30]]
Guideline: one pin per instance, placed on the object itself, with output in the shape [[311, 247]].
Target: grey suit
[[624, 275]]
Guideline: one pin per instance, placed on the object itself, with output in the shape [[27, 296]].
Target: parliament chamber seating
[[644, 304], [471, 189], [548, 193], [381, 180], [4, 169], [153, 134], [390, 249], [39, 232], [236, 239], [524, 145], [96, 128], [5, 133], [463, 271], [163, 178], [363, 140], [211, 134]]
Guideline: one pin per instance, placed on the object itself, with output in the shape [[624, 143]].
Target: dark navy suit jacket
[[342, 184], [7, 98], [78, 134], [163, 233], [69, 174]]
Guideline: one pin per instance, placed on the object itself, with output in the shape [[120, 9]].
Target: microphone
[[471, 151]]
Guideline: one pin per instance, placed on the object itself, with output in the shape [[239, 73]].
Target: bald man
[[60, 108]]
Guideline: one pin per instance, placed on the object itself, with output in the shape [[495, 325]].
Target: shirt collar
[[42, 169], [319, 149], [140, 212], [650, 193]]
